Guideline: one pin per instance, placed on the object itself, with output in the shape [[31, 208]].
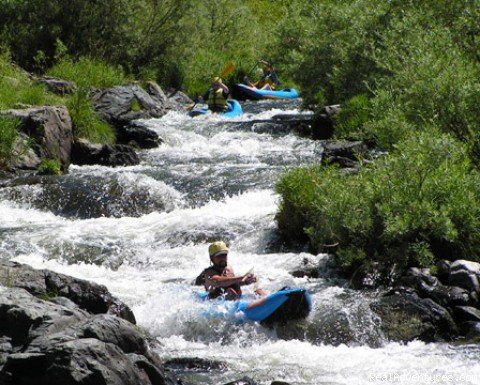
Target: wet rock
[[50, 128], [471, 330], [57, 86], [194, 363], [46, 343], [405, 317], [89, 296], [243, 381], [138, 135], [176, 96], [463, 265], [86, 153]]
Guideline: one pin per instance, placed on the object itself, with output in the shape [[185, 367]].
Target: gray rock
[[443, 270], [123, 104], [405, 317], [51, 131], [448, 296], [466, 313], [464, 279], [89, 296], [25, 157], [86, 153], [345, 149], [461, 264], [137, 134], [57, 86]]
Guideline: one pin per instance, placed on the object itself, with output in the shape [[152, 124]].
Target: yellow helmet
[[217, 248], [217, 79]]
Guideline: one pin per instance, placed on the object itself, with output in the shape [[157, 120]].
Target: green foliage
[[8, 135], [50, 167], [86, 72], [17, 88], [419, 204], [353, 115]]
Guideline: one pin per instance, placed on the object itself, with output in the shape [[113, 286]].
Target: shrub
[[50, 167], [418, 204]]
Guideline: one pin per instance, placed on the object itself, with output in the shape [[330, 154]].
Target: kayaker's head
[[216, 82], [218, 252]]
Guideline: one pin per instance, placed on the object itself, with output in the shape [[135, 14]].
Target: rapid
[[143, 232]]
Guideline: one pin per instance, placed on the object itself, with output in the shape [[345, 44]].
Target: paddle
[[227, 70]]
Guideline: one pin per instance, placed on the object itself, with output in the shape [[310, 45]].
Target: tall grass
[[87, 73], [8, 135]]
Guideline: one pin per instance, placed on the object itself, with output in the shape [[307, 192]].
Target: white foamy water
[[217, 181]]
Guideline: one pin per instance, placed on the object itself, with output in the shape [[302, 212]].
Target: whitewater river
[[143, 232]]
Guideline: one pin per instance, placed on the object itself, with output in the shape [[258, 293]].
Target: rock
[[195, 363], [466, 313], [139, 135], [177, 97], [57, 86], [243, 381], [94, 298], [448, 296], [25, 157], [123, 104], [472, 332], [463, 265], [443, 270], [45, 343], [51, 131], [464, 279], [86, 153], [323, 125], [405, 317], [351, 150]]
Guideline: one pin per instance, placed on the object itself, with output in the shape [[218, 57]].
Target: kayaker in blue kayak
[[216, 97], [269, 79], [219, 278]]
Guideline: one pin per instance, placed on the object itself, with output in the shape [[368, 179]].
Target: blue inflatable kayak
[[279, 307], [234, 109], [257, 94]]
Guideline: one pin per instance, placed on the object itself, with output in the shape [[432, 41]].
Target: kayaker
[[216, 97], [219, 278], [269, 79]]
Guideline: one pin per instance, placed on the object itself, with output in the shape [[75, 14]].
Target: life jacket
[[216, 101], [231, 292]]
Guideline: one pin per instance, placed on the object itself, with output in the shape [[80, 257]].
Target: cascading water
[[143, 232]]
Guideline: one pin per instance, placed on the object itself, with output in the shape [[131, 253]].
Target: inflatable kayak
[[279, 307], [257, 94], [234, 109]]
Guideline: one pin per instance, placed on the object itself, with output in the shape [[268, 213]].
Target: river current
[[143, 232]]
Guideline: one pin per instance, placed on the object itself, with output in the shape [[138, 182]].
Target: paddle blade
[[229, 67]]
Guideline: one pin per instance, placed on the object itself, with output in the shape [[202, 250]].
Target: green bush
[[418, 204]]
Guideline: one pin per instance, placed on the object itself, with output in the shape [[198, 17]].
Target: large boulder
[[122, 104], [50, 128], [92, 297], [55, 342]]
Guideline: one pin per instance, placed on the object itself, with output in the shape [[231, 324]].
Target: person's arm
[[217, 280]]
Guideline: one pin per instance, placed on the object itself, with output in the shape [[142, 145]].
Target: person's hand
[[249, 279]]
